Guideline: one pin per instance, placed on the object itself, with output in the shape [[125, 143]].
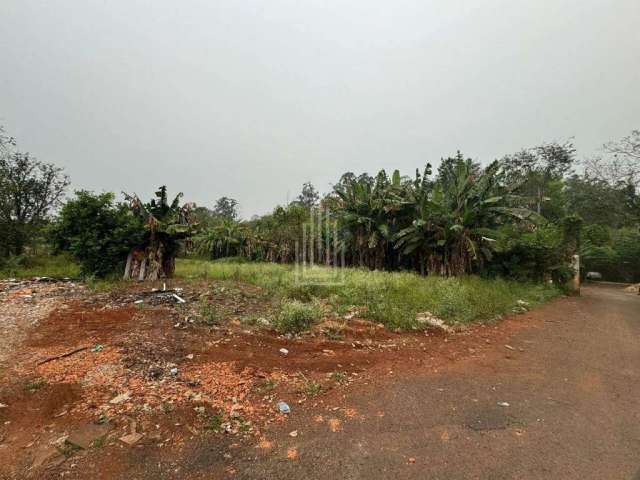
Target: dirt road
[[571, 382]]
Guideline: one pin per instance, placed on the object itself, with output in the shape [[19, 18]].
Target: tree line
[[521, 216]]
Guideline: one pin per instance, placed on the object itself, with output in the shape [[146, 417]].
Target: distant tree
[[622, 164], [29, 191], [6, 142], [536, 169], [204, 216], [226, 208], [447, 170], [309, 196], [225, 239], [599, 202], [97, 232]]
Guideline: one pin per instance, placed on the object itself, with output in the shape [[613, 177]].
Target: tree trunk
[[152, 263]]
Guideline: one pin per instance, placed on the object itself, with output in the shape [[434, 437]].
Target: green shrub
[[528, 255], [96, 232], [296, 316]]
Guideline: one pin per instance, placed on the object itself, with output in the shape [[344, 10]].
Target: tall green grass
[[392, 298], [23, 266]]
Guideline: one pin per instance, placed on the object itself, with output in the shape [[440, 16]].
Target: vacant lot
[[394, 299], [95, 371]]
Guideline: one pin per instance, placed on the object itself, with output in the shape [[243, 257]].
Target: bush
[[528, 255], [296, 316], [96, 232]]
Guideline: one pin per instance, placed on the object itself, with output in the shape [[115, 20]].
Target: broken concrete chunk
[[428, 318], [123, 397], [87, 434], [132, 438]]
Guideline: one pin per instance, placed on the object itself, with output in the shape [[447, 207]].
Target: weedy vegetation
[[35, 385], [296, 316], [392, 298]]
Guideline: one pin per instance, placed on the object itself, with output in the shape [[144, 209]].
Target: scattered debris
[[284, 351], [503, 404], [428, 318], [521, 307], [63, 355], [174, 371], [131, 438], [98, 348], [3, 405], [633, 288], [123, 397], [283, 407], [335, 425], [156, 296], [293, 433], [509, 347], [265, 444], [86, 435]]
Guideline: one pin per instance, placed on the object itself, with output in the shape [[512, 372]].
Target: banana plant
[[166, 225], [454, 222], [368, 208]]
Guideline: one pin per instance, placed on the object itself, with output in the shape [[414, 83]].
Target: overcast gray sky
[[250, 99]]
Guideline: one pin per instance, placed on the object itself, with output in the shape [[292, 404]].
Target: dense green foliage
[[97, 232], [517, 217], [447, 224], [615, 253]]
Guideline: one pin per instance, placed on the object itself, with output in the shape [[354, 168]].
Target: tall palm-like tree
[[225, 239], [367, 209], [166, 224], [455, 220]]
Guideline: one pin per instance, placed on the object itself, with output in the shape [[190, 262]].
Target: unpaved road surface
[[572, 383], [550, 394]]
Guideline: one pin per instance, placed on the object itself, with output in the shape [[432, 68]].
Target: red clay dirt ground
[[552, 393]]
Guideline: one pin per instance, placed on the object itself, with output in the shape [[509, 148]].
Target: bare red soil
[[187, 394]]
